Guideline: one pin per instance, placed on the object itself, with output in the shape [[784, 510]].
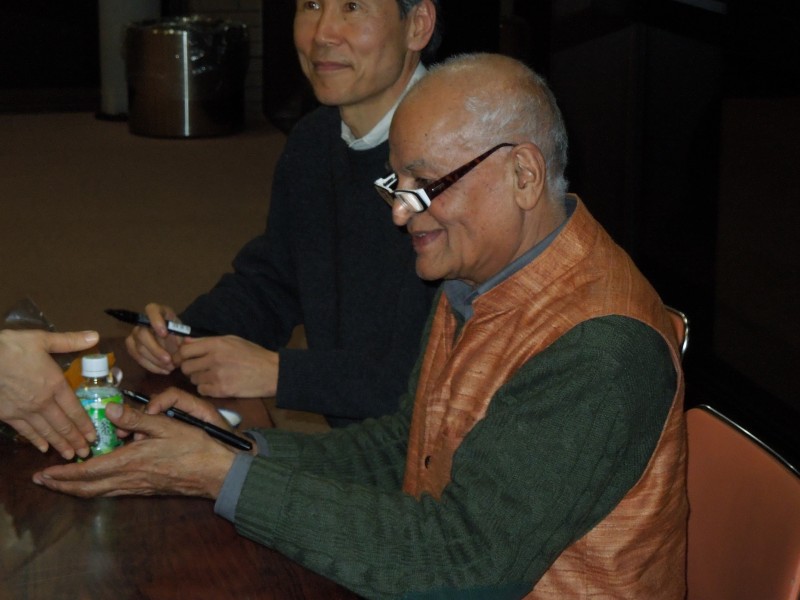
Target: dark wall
[[640, 87], [683, 138], [469, 26], [45, 44], [286, 95]]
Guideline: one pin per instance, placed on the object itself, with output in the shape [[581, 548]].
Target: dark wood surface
[[56, 546]]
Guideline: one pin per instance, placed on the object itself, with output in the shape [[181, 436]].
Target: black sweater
[[331, 259]]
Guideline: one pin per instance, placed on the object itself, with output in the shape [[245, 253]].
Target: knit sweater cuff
[[225, 505], [279, 443], [261, 502]]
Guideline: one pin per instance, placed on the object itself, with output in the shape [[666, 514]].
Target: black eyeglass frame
[[420, 199]]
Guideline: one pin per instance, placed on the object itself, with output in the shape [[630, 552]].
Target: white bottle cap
[[94, 365]]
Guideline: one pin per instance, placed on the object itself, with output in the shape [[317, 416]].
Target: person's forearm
[[373, 454], [258, 300], [233, 307]]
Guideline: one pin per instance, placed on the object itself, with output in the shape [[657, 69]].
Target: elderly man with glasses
[[540, 450]]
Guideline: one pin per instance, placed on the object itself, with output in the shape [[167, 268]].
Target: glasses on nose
[[420, 199]]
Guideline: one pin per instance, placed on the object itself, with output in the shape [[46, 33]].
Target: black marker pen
[[134, 318], [223, 435]]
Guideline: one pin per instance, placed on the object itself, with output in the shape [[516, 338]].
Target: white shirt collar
[[380, 133]]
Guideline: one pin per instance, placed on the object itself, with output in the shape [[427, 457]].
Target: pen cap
[[94, 365]]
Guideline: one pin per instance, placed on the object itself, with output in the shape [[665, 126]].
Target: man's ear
[[422, 21], [530, 174]]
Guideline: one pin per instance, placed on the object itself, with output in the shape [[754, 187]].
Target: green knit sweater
[[561, 444]]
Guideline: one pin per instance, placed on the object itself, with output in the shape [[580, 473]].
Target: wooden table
[[55, 546]]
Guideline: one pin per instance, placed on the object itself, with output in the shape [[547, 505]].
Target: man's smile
[[423, 239]]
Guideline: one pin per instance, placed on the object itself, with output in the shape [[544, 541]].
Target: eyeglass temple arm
[[434, 189]]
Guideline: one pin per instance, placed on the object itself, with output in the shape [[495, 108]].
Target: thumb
[[70, 341], [129, 419]]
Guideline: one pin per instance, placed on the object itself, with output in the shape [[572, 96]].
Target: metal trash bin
[[186, 76]]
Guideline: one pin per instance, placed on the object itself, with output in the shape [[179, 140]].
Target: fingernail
[[83, 452], [114, 410]]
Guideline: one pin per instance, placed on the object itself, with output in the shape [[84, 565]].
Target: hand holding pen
[[215, 431], [151, 343], [220, 366]]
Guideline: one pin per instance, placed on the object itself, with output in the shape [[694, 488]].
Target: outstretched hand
[[35, 397], [167, 458]]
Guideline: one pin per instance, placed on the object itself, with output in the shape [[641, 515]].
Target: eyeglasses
[[420, 199]]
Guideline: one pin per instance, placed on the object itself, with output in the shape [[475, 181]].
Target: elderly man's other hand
[[154, 348], [197, 407], [230, 366], [35, 398], [168, 458]]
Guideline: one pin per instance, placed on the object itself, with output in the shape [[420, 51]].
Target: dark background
[[684, 121]]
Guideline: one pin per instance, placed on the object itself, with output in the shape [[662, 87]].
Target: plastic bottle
[[95, 392]]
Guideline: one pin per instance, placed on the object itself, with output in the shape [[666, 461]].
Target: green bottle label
[[95, 406]]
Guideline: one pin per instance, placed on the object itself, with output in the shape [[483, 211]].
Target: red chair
[[744, 514]]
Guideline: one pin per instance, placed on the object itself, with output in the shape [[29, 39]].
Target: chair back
[[744, 514], [680, 323]]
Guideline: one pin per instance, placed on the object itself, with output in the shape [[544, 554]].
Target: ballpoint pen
[[134, 318], [218, 433]]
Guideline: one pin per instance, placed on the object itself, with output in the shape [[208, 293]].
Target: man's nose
[[327, 31], [401, 214]]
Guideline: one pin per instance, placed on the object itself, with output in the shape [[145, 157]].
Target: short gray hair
[[429, 52], [519, 108]]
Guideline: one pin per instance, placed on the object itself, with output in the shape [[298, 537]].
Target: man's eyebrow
[[416, 165]]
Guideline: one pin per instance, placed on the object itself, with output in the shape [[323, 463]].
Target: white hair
[[519, 107]]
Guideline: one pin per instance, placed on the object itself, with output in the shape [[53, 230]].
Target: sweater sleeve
[[259, 299], [561, 444]]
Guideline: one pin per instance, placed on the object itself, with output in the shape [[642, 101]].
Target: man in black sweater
[[330, 258]]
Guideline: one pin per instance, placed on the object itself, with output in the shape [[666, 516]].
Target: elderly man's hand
[[168, 458], [189, 403], [35, 398]]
